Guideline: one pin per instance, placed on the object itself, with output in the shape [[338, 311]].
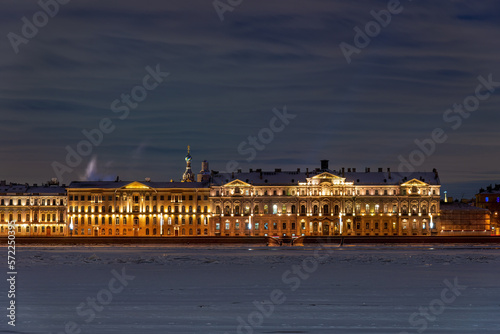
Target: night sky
[[226, 77]]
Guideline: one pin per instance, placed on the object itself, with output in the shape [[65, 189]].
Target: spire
[[188, 175]]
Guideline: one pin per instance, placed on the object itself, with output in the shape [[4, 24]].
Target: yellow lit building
[[36, 210], [325, 202]]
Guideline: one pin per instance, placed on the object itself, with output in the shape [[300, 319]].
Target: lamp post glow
[[161, 225], [340, 218], [71, 227]]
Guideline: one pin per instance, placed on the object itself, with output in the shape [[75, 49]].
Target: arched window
[[237, 210], [433, 209], [293, 209], [110, 231], [117, 232], [302, 209], [124, 231], [190, 208], [315, 209], [404, 210], [325, 209], [190, 231], [190, 220], [227, 210], [266, 209], [147, 231], [183, 208], [256, 209], [147, 208], [217, 210], [198, 209], [183, 231], [424, 210], [414, 210], [147, 220], [205, 232], [176, 221], [275, 209], [205, 209], [154, 231], [336, 209]]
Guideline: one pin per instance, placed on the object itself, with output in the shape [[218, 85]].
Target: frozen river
[[256, 289]]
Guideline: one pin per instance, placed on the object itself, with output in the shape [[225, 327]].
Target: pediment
[[237, 183], [136, 185], [414, 182]]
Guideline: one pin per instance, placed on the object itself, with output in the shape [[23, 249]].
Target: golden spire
[[189, 148]]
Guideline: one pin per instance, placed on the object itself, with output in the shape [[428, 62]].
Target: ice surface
[[206, 289]]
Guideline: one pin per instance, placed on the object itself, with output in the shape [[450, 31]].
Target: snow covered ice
[[257, 289]]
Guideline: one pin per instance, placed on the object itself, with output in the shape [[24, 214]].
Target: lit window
[[487, 199]]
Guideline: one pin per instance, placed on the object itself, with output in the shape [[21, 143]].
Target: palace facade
[[37, 210], [319, 201]]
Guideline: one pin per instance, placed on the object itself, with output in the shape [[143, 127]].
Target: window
[[487, 199], [275, 209], [275, 225], [315, 209], [266, 209], [325, 209], [293, 209], [283, 208], [303, 209]]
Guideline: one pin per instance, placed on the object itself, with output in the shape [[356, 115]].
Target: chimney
[[367, 169], [348, 170], [380, 170], [307, 172], [298, 170], [251, 170], [354, 170], [324, 164], [277, 170], [232, 175], [389, 172], [260, 170], [343, 171]]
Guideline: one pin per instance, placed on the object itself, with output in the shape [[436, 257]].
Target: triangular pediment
[[414, 182], [237, 183], [328, 176], [136, 185]]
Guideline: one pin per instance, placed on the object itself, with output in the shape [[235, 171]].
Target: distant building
[[489, 198], [463, 219], [36, 210]]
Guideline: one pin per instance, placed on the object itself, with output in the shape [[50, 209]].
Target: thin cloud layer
[[226, 77]]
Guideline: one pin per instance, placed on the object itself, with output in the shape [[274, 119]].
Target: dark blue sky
[[225, 78]]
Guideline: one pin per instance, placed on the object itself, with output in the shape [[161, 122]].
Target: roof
[[29, 190], [123, 184], [294, 177]]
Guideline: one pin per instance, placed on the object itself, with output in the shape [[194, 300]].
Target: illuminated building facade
[[36, 210], [325, 202], [254, 203]]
